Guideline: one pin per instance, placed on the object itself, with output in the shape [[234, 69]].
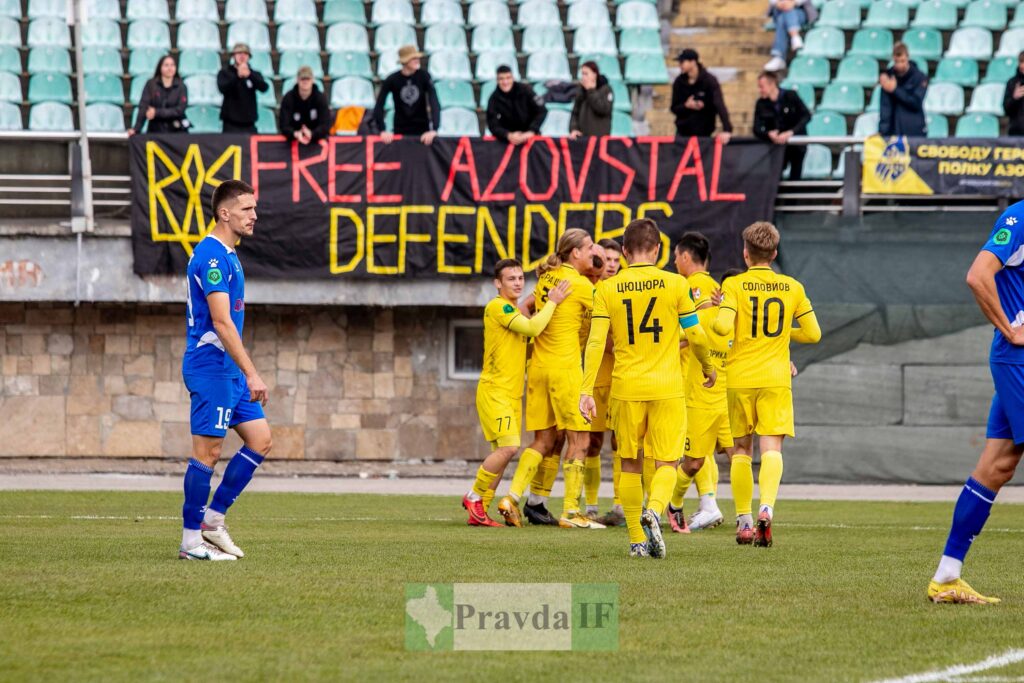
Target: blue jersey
[[212, 268], [1007, 243]]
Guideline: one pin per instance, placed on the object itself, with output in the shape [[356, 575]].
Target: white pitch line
[[993, 662]]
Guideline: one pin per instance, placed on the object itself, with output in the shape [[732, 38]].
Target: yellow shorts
[[601, 397], [766, 412], [553, 399], [500, 416], [658, 426], [707, 431]]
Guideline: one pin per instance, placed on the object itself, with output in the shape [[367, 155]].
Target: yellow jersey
[[702, 286], [506, 332], [643, 307], [765, 305], [559, 345]]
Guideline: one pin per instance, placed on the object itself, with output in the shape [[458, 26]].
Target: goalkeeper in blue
[[226, 391], [997, 281]]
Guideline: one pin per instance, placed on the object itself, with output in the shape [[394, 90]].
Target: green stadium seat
[[295, 10], [347, 37], [10, 33], [202, 90], [887, 14], [11, 9], [975, 43], [490, 12], [1018, 16], [827, 124], [539, 13], [622, 124], [987, 99], [556, 124], [455, 94], [204, 119], [646, 69], [48, 32], [489, 37], [393, 36], [804, 90], [10, 60], [985, 14], [344, 12], [637, 41], [450, 64], [843, 98], [817, 163], [387, 62], [388, 11], [937, 125], [812, 70], [143, 61], [874, 101], [458, 122], [49, 88], [102, 33], [436, 12], [861, 71], [260, 61], [51, 117], [935, 14], [94, 9], [543, 38], [911, 3], [149, 33], [293, 59], [99, 60], [350, 64], [104, 118], [57, 9], [597, 40], [956, 70], [199, 62], [269, 99], [923, 43], [606, 64], [871, 42], [246, 10], [351, 91], [1000, 70], [865, 125], [104, 88], [843, 14], [199, 35], [184, 10], [266, 121], [486, 90], [944, 98], [147, 9], [622, 101], [977, 126], [137, 86], [627, 15], [55, 60], [449, 37], [298, 36], [10, 116], [1012, 43], [252, 33], [959, 4], [10, 87]]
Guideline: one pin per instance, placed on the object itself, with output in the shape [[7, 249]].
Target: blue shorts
[[1006, 417], [219, 403]]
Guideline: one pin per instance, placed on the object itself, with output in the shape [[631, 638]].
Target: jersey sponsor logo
[[1003, 236], [239, 305], [639, 286], [214, 276], [507, 308], [766, 286], [213, 263], [1011, 220]]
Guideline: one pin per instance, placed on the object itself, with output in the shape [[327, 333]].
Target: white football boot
[[705, 519], [218, 536], [205, 551]]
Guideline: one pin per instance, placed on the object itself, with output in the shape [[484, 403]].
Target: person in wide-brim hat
[[417, 109]]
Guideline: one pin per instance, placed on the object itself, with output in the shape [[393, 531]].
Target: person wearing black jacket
[[592, 110], [417, 109], [1013, 99], [779, 115], [238, 83], [163, 101], [304, 115], [697, 100], [901, 106], [514, 112]]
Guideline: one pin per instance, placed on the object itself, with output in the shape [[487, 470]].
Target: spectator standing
[[239, 83], [514, 112], [779, 115], [163, 102], [1013, 99], [790, 16], [697, 99], [417, 110], [592, 110], [304, 114], [901, 110]]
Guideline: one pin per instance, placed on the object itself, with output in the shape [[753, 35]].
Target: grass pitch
[[91, 588]]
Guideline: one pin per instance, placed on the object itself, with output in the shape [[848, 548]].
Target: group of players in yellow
[[674, 365]]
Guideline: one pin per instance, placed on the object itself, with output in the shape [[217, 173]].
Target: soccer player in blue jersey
[[222, 381], [997, 280]]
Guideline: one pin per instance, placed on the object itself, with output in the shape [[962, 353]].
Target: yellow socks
[[631, 491], [661, 488], [742, 473], [572, 472], [592, 479], [682, 484], [547, 472], [616, 473], [487, 498], [527, 467], [706, 478], [648, 474], [770, 477], [483, 482]]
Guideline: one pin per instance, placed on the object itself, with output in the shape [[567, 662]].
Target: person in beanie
[[304, 114], [514, 112], [697, 99], [592, 110], [238, 83], [417, 110]]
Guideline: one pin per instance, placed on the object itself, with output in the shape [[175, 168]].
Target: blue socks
[[969, 517], [236, 476], [197, 492]]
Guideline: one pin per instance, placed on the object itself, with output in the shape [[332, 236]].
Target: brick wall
[[346, 383]]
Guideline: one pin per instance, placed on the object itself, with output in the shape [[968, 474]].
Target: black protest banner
[[353, 207]]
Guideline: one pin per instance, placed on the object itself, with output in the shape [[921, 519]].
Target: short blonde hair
[[571, 239], [761, 240]]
